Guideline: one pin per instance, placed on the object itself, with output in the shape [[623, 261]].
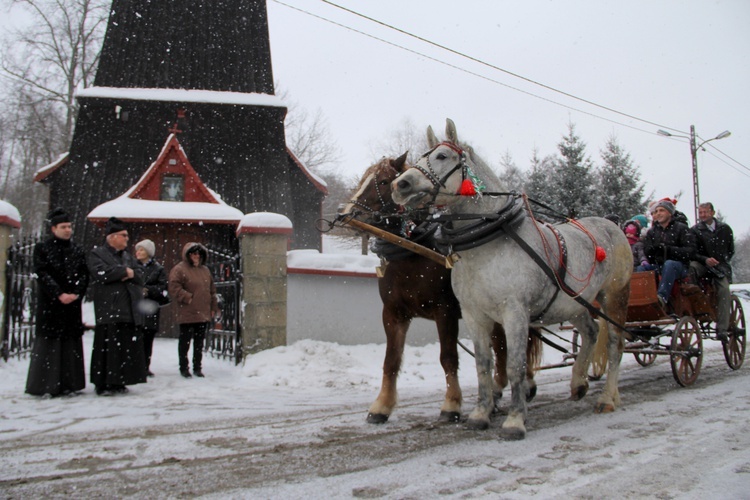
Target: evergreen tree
[[572, 181], [537, 181], [618, 187], [512, 177]]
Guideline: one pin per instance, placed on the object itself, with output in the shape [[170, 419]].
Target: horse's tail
[[534, 351], [599, 359]]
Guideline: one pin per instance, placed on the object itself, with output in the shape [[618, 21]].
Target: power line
[[727, 163], [497, 68], [502, 70], [727, 156], [478, 75]]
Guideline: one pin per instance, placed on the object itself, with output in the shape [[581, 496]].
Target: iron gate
[[20, 303], [224, 338]]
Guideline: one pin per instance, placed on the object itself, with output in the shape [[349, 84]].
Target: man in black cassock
[[56, 366], [117, 358]]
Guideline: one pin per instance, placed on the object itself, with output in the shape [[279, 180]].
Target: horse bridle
[[378, 215], [432, 176]]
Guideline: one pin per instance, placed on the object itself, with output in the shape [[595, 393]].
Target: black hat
[[57, 216], [115, 225]]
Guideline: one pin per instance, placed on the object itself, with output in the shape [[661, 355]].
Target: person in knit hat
[[155, 293], [669, 245], [670, 204], [117, 358]]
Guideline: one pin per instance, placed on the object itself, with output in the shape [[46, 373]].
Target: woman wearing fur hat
[[155, 291]]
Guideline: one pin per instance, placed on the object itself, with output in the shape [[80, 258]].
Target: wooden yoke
[[441, 259]]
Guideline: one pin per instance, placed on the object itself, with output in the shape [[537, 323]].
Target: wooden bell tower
[[203, 68]]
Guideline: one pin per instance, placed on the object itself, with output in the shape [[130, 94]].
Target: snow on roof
[[129, 209], [9, 215], [182, 95], [43, 172], [318, 182]]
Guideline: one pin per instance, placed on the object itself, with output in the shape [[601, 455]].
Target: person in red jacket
[[193, 291]]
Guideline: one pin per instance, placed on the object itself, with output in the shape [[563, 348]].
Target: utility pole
[[694, 155]]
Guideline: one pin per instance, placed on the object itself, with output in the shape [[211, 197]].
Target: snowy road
[[286, 442]]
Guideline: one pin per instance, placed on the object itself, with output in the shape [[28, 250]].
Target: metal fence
[[21, 299], [224, 338]]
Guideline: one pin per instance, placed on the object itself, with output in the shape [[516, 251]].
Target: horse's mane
[[482, 169], [380, 165]]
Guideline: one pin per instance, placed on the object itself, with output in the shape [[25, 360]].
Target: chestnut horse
[[413, 286]]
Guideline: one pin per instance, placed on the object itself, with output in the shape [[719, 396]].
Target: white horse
[[498, 281]]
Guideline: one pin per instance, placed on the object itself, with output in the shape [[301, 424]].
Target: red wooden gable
[[171, 162]]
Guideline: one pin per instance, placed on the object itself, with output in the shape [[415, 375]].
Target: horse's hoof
[[530, 394], [604, 408], [477, 425], [377, 418], [449, 417], [497, 395], [578, 393], [512, 433]]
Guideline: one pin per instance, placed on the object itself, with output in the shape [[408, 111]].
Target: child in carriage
[[632, 230]]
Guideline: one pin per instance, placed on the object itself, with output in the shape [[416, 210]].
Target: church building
[[181, 132]]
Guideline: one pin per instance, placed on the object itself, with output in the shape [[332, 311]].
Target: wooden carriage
[[680, 331]]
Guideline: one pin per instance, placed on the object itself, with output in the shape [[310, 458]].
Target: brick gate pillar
[[9, 219], [263, 245]]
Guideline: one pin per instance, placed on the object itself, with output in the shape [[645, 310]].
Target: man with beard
[[56, 366], [117, 358]]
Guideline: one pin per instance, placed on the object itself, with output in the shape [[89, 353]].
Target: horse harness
[[491, 226]]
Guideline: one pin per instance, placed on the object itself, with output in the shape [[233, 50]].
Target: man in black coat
[[117, 358], [714, 250], [669, 245], [56, 366]]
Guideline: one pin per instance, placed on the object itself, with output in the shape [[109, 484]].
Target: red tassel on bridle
[[467, 188]]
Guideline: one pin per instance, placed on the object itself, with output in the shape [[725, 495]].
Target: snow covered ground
[[290, 423]]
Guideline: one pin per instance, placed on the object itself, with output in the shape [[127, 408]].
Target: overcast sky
[[672, 63]]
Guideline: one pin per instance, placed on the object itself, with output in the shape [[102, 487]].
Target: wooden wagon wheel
[[686, 354], [644, 359], [734, 347]]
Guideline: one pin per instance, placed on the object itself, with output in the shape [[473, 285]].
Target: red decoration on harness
[[601, 254], [467, 188]]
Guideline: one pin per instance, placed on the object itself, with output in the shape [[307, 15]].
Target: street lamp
[[694, 155]]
